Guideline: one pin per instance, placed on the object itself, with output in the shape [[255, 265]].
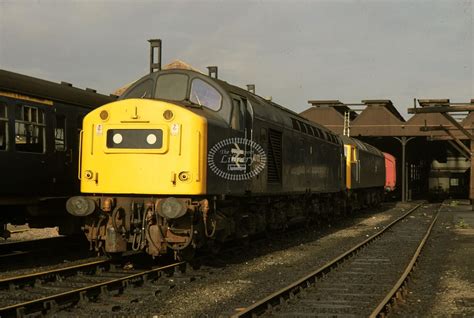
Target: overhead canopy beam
[[430, 106], [461, 151], [460, 144], [466, 151], [441, 109], [458, 126]]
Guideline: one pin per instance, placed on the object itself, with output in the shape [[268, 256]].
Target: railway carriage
[[390, 172], [184, 160], [39, 129]]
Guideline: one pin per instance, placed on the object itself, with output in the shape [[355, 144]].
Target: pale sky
[[293, 51]]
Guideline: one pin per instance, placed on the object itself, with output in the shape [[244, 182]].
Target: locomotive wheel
[[186, 254], [214, 247]]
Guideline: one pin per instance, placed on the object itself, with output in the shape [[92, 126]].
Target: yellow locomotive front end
[[142, 167], [146, 147]]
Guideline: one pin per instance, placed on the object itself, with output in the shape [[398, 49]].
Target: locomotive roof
[[264, 106], [263, 109], [361, 145], [64, 92]]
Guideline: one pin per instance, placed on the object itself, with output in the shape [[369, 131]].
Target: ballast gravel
[[443, 283], [260, 270]]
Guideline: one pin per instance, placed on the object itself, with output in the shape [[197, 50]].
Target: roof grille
[[274, 156]]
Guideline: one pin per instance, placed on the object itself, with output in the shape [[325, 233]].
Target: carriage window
[[204, 94], [142, 90], [237, 121], [29, 129], [171, 86], [60, 133], [3, 127]]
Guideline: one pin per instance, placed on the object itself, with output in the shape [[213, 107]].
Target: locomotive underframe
[[126, 223]]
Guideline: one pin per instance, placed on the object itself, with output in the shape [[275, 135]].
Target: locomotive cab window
[[205, 95], [3, 127], [29, 129], [171, 87], [60, 133], [141, 90]]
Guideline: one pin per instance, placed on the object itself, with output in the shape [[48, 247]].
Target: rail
[[47, 304], [400, 287], [291, 291]]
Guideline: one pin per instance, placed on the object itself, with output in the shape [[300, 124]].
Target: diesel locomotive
[[39, 140], [184, 160]]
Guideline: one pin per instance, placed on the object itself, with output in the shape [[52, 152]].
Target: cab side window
[[142, 90], [205, 95]]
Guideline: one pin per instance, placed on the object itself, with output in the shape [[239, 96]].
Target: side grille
[[274, 156]]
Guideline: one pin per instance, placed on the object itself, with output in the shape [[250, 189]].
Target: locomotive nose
[[80, 206]]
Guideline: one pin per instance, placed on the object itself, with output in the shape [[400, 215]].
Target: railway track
[[364, 281], [52, 290]]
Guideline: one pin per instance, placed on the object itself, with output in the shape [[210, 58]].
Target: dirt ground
[[260, 271], [443, 283]]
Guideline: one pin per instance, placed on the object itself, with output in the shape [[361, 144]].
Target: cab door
[[31, 152], [62, 155]]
